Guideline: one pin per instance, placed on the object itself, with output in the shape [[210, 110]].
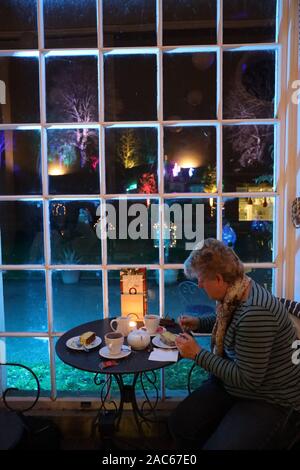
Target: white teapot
[[138, 339]]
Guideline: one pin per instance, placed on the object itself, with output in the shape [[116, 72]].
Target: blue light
[[228, 235], [260, 226]]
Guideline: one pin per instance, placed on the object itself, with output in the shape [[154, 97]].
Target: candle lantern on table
[[133, 288]]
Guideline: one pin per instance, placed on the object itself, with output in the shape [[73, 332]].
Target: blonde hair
[[213, 258]]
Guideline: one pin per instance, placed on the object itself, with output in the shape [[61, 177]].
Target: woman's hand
[[188, 322], [187, 346]]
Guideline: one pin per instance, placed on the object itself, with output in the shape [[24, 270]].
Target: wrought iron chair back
[[11, 389], [190, 295]]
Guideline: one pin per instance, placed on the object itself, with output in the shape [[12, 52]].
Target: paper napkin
[[164, 355]]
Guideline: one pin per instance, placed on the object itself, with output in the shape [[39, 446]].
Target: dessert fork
[[79, 345]]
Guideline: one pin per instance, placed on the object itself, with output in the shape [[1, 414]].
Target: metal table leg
[[108, 421]]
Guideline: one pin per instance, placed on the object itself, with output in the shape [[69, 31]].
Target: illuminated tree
[[147, 183], [210, 179], [74, 97], [251, 97], [128, 149]]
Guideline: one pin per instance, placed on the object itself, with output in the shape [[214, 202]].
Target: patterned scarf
[[225, 310]]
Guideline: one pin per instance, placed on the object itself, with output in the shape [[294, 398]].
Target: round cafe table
[[137, 364]]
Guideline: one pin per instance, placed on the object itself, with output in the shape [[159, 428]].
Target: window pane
[[72, 89], [249, 84], [129, 237], [130, 87], [176, 376], [73, 161], [31, 352], [25, 307], [249, 21], [77, 298], [70, 23], [184, 296], [22, 238], [264, 277], [21, 78], [248, 158], [20, 162], [74, 382], [129, 23], [18, 24], [131, 157], [189, 85], [72, 232], [192, 22], [185, 223], [190, 159], [248, 228], [114, 295]]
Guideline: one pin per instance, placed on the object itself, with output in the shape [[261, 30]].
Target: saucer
[[125, 351], [73, 343], [159, 344], [159, 330]]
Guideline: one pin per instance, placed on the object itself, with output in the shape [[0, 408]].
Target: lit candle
[[132, 325]]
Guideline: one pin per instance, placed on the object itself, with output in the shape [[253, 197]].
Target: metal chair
[[23, 431], [15, 421], [190, 295]]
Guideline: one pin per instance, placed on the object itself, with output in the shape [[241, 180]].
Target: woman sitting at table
[[252, 398]]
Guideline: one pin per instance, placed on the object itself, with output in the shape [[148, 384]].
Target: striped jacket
[[258, 351]]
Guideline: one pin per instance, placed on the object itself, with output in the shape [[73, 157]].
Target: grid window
[[73, 161], [72, 89], [189, 86], [193, 22], [20, 171], [130, 23], [131, 156], [249, 84], [18, 24], [21, 78], [70, 23], [249, 21], [130, 87], [152, 103]]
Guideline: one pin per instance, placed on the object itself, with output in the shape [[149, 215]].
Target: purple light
[[191, 172], [176, 170]]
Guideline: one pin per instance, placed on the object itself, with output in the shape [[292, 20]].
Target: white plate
[[160, 329], [159, 344], [105, 352], [73, 343]]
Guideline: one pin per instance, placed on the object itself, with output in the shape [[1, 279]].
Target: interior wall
[[297, 244]]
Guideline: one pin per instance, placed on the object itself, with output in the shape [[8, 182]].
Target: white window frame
[[284, 263]]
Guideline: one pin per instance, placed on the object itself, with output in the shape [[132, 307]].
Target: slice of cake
[[168, 338], [87, 338]]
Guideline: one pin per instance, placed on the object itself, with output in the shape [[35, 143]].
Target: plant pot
[[70, 277]]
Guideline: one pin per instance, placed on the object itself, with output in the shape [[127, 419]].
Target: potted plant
[[69, 256]]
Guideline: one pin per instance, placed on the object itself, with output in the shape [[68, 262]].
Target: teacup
[[121, 325], [151, 323], [114, 341]]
